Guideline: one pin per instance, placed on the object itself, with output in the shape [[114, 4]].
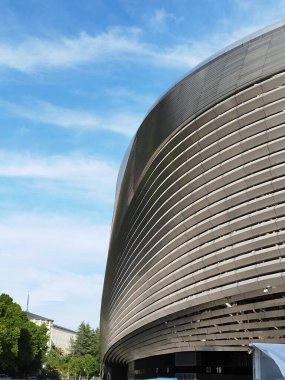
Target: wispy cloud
[[75, 174], [44, 112], [117, 44], [66, 241], [59, 259], [66, 297], [161, 19], [126, 96], [80, 119], [268, 11], [33, 54], [79, 295]]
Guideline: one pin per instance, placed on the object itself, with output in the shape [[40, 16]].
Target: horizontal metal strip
[[215, 283], [242, 221], [195, 285], [266, 151], [146, 338], [240, 247], [171, 209], [200, 152], [189, 322], [202, 124], [253, 162], [167, 246], [199, 140], [221, 265], [238, 198], [203, 239], [230, 290], [162, 329], [201, 333]]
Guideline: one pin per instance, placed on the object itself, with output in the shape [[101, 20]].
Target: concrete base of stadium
[[206, 365]]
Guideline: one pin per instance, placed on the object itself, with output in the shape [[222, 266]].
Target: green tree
[[11, 321], [84, 342], [86, 348], [91, 366], [76, 366], [56, 363], [84, 357], [83, 366], [22, 343], [32, 347]]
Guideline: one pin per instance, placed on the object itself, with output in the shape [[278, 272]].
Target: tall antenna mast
[[28, 300]]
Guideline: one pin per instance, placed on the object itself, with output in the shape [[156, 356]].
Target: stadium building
[[195, 269]]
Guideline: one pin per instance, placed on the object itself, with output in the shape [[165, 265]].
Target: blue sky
[[77, 78]]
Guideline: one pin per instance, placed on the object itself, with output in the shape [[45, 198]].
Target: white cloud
[[195, 52], [57, 240], [59, 260], [268, 11], [55, 167], [33, 54], [47, 113], [161, 18], [83, 176], [78, 295], [117, 44], [123, 123], [123, 95], [67, 298]]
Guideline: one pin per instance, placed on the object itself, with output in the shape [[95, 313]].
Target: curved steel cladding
[[196, 257]]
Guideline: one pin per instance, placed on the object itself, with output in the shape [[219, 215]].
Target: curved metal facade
[[197, 253]]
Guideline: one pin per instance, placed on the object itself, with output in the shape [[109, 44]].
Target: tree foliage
[[87, 341], [83, 361], [85, 351], [23, 347], [84, 366], [22, 343], [56, 363]]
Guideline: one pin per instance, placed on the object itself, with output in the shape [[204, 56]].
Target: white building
[[58, 336]]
